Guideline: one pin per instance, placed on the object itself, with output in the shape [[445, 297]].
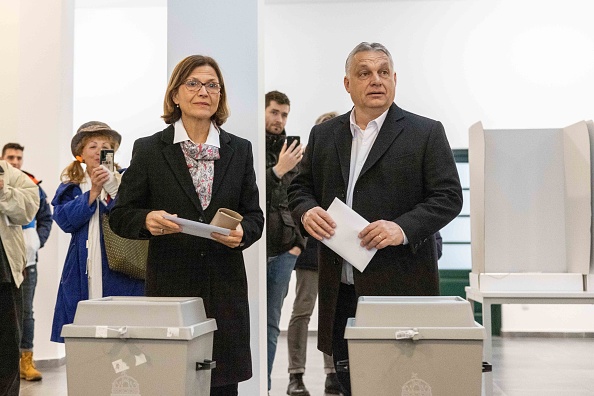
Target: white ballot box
[[531, 208], [139, 346], [414, 346]]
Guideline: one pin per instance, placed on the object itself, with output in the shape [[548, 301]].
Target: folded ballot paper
[[226, 218], [346, 242]]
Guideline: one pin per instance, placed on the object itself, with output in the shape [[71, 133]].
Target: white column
[[36, 48], [229, 31]]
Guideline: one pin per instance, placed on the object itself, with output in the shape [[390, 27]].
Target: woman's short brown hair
[[172, 113]]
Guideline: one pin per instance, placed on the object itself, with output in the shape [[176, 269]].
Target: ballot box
[[409, 346], [139, 346]]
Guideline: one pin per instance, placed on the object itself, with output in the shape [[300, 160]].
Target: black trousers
[[11, 312], [346, 308], [227, 390]]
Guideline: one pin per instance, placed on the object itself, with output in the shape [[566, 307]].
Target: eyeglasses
[[195, 86]]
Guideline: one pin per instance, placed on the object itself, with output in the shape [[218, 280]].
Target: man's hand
[[288, 158], [318, 223], [380, 234]]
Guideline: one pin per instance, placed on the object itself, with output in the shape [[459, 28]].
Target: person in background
[[35, 234], [88, 190], [396, 170], [192, 169], [19, 201], [306, 294], [284, 241]]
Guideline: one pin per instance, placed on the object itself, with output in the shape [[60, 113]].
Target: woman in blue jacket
[[82, 197]]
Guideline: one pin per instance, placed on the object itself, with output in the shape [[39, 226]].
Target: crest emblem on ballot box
[[416, 387], [125, 385]]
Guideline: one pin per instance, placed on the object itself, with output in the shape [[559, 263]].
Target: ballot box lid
[[140, 317], [432, 311]]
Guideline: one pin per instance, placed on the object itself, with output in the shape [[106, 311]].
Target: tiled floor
[[521, 367]]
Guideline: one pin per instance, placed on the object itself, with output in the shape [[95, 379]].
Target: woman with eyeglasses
[[190, 170]]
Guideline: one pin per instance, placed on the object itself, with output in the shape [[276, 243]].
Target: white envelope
[[345, 241]]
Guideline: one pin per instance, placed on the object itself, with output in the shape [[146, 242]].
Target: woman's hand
[[112, 184], [158, 225], [232, 240], [99, 176]]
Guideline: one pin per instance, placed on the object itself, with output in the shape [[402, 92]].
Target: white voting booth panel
[[145, 346], [414, 346], [531, 208], [590, 277]]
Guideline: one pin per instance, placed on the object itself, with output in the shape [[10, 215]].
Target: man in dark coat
[[395, 169]]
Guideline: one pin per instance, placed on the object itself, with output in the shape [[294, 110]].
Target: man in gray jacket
[[19, 202]]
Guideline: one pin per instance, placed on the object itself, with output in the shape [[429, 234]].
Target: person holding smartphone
[[284, 242], [87, 191]]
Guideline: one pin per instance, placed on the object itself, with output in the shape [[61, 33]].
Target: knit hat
[[94, 128]]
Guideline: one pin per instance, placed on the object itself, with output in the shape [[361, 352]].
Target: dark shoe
[[296, 386], [332, 385]]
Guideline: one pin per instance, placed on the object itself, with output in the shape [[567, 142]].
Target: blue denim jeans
[[278, 275], [28, 287]]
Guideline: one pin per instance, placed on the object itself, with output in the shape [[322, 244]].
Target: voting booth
[[414, 346], [531, 208], [149, 346]]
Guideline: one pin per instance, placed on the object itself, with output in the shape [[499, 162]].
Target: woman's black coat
[[186, 265]]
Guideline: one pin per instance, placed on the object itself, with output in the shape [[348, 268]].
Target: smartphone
[[291, 139], [106, 159]]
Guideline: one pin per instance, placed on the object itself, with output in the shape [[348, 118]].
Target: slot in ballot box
[[139, 346], [414, 346]]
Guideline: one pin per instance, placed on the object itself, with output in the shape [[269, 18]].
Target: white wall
[[521, 64], [120, 67], [36, 110]]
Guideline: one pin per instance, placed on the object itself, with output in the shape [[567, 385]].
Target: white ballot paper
[[345, 241], [196, 228]]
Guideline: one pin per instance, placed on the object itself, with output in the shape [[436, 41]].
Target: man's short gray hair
[[363, 47]]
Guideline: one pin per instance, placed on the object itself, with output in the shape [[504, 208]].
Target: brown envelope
[[226, 218]]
